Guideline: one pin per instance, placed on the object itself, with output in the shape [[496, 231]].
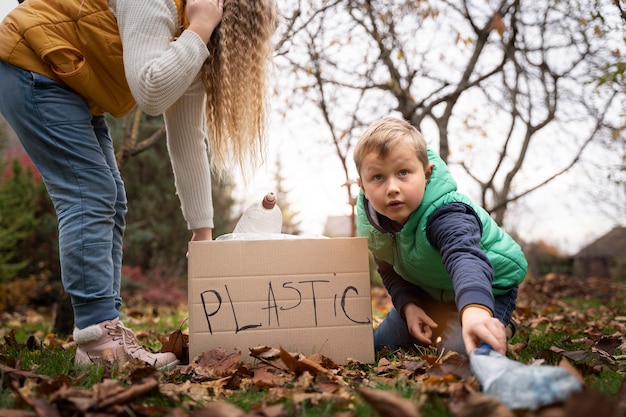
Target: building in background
[[605, 257]]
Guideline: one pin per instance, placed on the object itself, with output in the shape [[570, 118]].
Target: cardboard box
[[306, 295]]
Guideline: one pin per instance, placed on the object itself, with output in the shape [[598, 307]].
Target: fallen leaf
[[454, 364], [178, 344], [215, 363], [219, 409], [7, 371], [266, 377], [264, 353], [436, 380], [608, 343], [565, 364], [383, 366], [18, 413], [481, 405], [590, 403], [111, 392], [389, 404]]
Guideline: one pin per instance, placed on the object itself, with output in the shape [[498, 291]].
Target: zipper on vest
[[396, 252]]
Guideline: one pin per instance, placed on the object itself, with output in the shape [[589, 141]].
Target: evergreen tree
[[291, 224], [17, 197]]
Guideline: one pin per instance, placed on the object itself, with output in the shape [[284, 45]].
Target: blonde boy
[[450, 269]]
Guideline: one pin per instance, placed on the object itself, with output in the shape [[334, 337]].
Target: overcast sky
[[6, 6]]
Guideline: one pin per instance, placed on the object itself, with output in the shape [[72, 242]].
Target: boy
[[450, 269]]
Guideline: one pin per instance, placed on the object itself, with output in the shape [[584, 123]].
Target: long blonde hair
[[236, 76]]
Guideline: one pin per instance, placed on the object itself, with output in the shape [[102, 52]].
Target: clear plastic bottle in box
[[261, 217], [261, 220]]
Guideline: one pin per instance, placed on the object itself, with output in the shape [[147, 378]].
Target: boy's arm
[[400, 290], [455, 230]]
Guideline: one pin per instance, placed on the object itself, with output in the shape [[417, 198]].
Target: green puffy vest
[[417, 261]]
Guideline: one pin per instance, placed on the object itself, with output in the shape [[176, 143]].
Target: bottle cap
[[269, 200]]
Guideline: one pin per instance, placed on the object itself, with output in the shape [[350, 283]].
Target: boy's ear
[[358, 181], [429, 170]]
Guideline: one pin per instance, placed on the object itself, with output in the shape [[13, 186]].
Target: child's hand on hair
[[204, 16], [480, 326], [420, 325]]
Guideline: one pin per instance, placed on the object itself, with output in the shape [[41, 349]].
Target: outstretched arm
[[455, 230]]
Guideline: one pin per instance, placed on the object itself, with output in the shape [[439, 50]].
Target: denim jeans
[[74, 154], [394, 334]]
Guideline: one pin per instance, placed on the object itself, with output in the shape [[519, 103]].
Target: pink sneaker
[[106, 340]]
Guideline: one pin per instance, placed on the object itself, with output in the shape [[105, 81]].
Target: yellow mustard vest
[[75, 42]]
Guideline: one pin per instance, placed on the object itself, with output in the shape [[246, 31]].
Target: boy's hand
[[479, 326], [420, 325]]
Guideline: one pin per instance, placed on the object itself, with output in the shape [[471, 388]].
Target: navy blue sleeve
[[400, 290], [455, 231]]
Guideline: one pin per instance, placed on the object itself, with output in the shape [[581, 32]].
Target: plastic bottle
[[263, 217], [521, 386]]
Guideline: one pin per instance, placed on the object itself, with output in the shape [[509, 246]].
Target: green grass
[[246, 400], [53, 362], [606, 381], [32, 348]]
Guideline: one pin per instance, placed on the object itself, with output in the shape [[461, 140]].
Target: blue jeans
[[74, 154], [393, 332]]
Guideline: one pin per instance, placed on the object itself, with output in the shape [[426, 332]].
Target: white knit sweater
[[163, 75]]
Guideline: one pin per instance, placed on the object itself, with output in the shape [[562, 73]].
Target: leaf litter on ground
[[590, 341]]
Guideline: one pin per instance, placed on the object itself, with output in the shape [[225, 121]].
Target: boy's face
[[395, 184]]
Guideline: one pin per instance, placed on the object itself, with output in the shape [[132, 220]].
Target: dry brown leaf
[[565, 364], [111, 392], [266, 377], [215, 363], [608, 343], [478, 404], [316, 368], [305, 381], [276, 410], [175, 391], [327, 387], [178, 344], [383, 366], [389, 404], [264, 353], [308, 365], [219, 409], [590, 403], [289, 360], [452, 363], [437, 380], [10, 339], [316, 398], [18, 413], [7, 371]]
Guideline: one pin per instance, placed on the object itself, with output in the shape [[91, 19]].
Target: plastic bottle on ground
[[521, 386], [263, 217]]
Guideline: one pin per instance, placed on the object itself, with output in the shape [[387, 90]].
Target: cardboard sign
[[306, 295]]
